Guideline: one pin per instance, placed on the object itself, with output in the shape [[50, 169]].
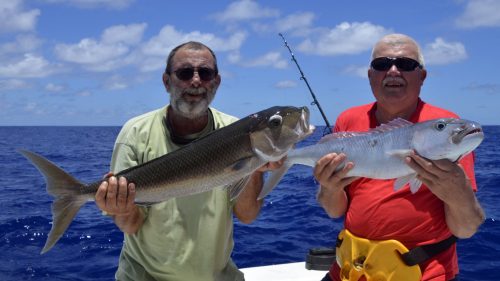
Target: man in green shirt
[[187, 238]]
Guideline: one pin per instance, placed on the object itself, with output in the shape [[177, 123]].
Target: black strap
[[422, 253]]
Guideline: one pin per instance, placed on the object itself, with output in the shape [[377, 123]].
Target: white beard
[[190, 109]]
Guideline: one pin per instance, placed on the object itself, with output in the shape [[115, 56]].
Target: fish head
[[448, 138], [274, 131]]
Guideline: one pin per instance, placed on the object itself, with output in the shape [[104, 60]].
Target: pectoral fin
[[274, 178], [240, 164], [411, 180], [236, 188]]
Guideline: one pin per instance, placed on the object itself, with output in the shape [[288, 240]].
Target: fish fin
[[339, 135], [236, 188], [145, 204], [64, 209], [409, 179], [399, 152], [415, 185], [391, 125], [240, 164], [66, 192], [402, 181], [274, 178]]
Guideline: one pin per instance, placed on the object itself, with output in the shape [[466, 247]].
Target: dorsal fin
[[339, 135], [391, 125]]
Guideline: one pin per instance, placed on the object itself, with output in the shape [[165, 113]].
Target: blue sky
[[99, 62]]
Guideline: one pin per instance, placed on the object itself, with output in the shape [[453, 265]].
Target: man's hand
[[443, 177], [326, 174], [448, 181], [331, 194], [116, 197]]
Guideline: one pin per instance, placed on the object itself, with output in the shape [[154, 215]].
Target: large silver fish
[[380, 153], [225, 157]]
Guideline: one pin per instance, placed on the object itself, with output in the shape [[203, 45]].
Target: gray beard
[[191, 110]]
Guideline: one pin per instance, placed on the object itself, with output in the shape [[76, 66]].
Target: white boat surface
[[283, 272]]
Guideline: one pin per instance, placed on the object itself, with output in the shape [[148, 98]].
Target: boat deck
[[283, 272]]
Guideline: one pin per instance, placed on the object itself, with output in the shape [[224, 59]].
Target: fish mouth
[[304, 128], [469, 132]]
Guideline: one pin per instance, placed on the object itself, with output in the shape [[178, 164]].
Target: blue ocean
[[291, 221]]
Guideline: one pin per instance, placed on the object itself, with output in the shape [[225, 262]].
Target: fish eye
[[440, 126], [275, 121]]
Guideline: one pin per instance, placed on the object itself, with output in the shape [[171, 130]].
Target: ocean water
[[291, 221]]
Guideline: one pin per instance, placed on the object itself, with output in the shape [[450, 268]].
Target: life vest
[[375, 260]]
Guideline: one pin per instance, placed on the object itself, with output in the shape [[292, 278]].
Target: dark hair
[[191, 45]]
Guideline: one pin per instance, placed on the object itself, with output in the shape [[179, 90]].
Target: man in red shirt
[[445, 206]]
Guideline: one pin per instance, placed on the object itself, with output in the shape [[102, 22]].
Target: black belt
[[422, 253]]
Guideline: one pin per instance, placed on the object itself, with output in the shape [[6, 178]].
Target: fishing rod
[[302, 77]]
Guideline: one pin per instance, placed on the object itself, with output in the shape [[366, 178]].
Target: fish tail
[[274, 178], [66, 192]]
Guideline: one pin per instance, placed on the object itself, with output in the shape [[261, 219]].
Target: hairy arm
[[448, 181], [331, 195]]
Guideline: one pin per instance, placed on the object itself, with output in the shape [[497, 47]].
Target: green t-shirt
[[182, 239]]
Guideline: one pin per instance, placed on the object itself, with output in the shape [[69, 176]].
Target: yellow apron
[[376, 260]]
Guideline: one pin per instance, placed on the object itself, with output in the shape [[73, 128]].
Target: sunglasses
[[403, 64], [187, 73]]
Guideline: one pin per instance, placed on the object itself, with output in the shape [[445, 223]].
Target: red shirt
[[376, 212]]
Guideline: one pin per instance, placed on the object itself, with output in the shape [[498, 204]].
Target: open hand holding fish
[[224, 158], [380, 153]]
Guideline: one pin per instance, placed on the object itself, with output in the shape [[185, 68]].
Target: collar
[[183, 140]]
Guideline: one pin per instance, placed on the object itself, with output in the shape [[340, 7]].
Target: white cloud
[[22, 44], [356, 70], [84, 93], [112, 4], [108, 53], [116, 82], [169, 37], [234, 57], [442, 52], [126, 34], [14, 18], [244, 10], [480, 13], [295, 21], [51, 87], [33, 107], [13, 84], [345, 38], [153, 53], [286, 84], [487, 88], [272, 59], [29, 66], [89, 51]]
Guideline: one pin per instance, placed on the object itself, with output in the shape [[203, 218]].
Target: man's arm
[[331, 195], [448, 181], [247, 206], [116, 198]]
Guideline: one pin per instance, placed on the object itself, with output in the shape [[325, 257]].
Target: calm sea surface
[[290, 223]]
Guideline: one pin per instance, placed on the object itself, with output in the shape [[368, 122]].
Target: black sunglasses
[[187, 73], [403, 64]]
